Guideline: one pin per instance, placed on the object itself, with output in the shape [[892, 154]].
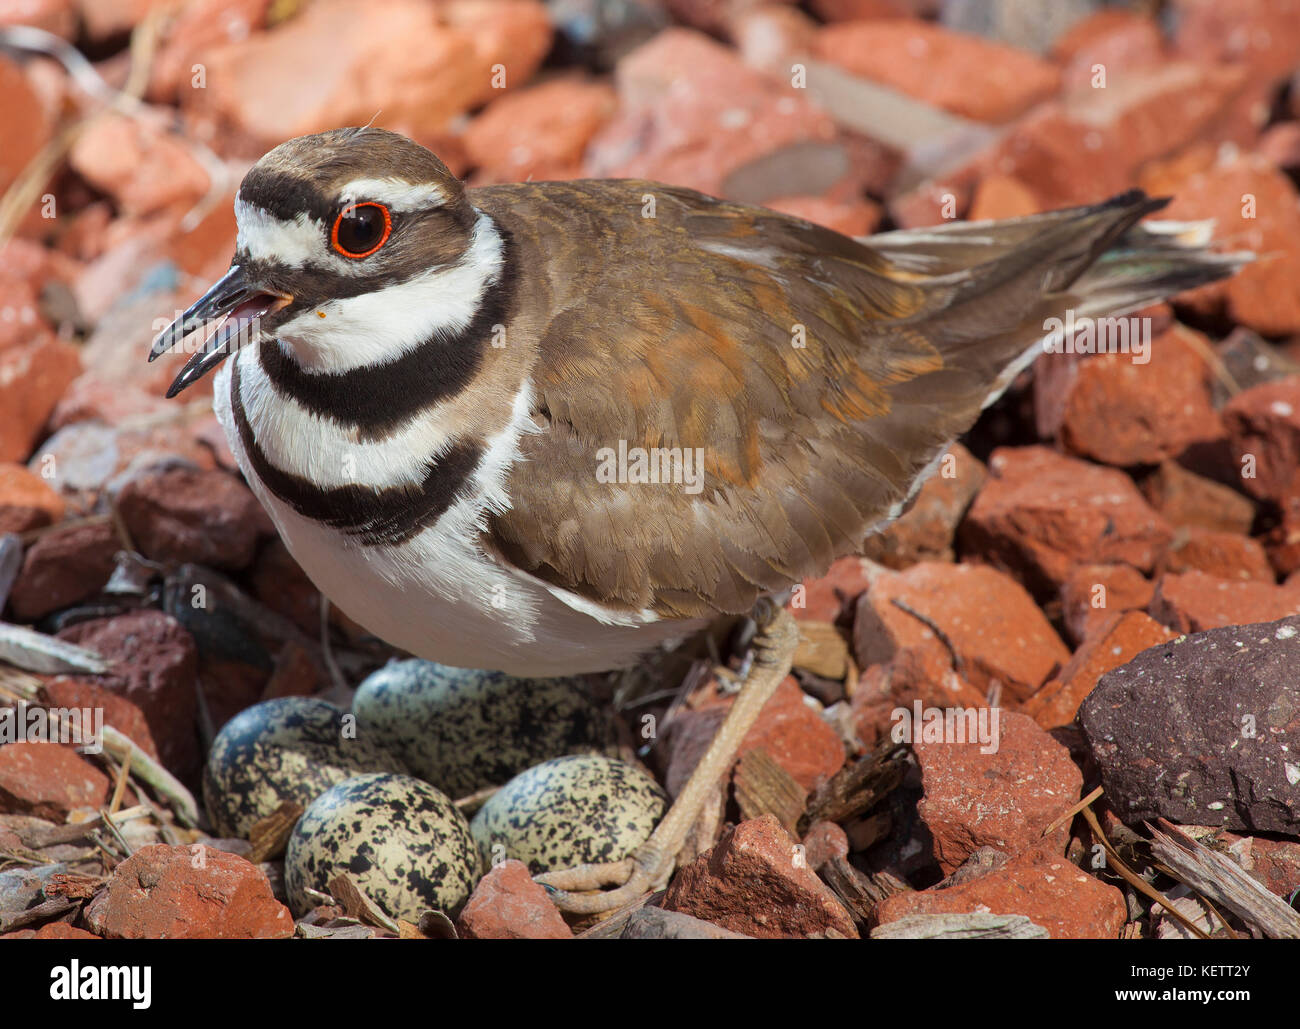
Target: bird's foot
[[581, 890]]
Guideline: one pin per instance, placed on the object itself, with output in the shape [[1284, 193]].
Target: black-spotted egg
[[569, 811], [402, 842], [290, 748], [463, 730]]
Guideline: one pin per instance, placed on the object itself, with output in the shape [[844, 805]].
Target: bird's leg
[[652, 863]]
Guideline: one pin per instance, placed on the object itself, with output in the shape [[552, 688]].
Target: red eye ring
[[349, 212]]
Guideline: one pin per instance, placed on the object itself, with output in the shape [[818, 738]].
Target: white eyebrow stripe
[[266, 238], [396, 194]]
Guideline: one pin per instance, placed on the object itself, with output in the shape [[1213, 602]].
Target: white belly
[[440, 597]]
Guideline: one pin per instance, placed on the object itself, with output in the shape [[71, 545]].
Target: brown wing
[[817, 376]]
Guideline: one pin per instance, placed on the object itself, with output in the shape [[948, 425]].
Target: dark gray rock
[[1204, 730], [1025, 24], [20, 888], [658, 924], [1252, 361], [596, 33]]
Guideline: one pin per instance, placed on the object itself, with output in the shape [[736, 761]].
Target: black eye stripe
[[419, 241], [286, 196]]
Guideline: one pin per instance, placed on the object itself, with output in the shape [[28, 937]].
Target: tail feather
[[1103, 245], [995, 286], [1007, 278], [957, 245], [1153, 261]]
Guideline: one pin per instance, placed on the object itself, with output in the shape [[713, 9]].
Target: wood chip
[[41, 913], [857, 891], [971, 926], [343, 932], [763, 787], [357, 905], [858, 787], [36, 652], [885, 114], [822, 650], [270, 835], [40, 836], [1224, 882], [1118, 865], [1199, 910], [74, 887]]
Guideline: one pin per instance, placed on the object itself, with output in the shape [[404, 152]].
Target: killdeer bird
[[455, 403]]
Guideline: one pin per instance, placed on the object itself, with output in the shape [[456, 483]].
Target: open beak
[[239, 304]]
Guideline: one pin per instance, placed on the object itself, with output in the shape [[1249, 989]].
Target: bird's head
[[332, 229]]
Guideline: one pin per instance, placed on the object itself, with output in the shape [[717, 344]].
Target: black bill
[[239, 304]]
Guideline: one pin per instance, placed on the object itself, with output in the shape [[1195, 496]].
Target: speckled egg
[[464, 730], [569, 811], [290, 748], [404, 844]]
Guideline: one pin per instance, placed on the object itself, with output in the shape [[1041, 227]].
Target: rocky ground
[[1108, 565]]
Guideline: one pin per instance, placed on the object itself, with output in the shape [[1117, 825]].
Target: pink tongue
[[247, 313]]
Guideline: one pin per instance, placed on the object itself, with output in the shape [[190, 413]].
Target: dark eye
[[361, 229]]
